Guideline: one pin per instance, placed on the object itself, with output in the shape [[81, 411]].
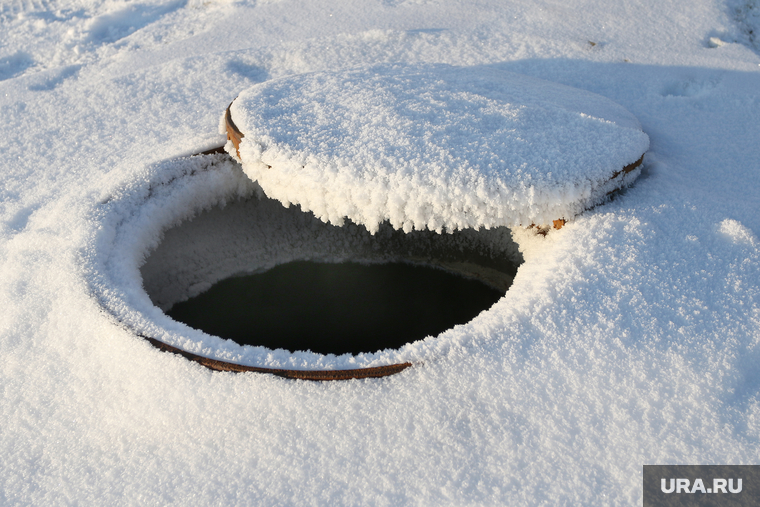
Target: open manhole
[[375, 292], [373, 210], [261, 274]]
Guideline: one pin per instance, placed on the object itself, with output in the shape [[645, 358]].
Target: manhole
[[264, 275], [371, 293], [393, 171]]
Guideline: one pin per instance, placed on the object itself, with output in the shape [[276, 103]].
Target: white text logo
[[685, 486]]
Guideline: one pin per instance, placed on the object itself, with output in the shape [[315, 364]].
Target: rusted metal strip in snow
[[320, 375], [629, 167], [233, 134], [558, 224]]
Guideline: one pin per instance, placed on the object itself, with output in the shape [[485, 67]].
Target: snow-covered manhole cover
[[424, 165], [433, 147]]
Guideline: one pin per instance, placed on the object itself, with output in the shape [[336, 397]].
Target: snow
[[433, 147], [631, 336]]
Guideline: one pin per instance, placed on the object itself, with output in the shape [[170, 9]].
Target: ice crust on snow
[[434, 147]]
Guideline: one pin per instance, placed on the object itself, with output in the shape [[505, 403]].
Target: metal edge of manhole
[[320, 375]]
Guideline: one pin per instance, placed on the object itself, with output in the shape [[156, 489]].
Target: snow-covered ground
[[631, 336]]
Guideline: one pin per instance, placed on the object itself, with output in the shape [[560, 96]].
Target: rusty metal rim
[[319, 375], [233, 133], [558, 224]]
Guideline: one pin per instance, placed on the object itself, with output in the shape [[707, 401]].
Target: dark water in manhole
[[336, 308]]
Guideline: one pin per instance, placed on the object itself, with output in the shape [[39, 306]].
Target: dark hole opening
[[258, 273], [337, 308]]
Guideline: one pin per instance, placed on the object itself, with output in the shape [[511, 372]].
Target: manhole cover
[[433, 147]]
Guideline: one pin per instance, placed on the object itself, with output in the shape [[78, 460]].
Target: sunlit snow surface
[[630, 336]]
